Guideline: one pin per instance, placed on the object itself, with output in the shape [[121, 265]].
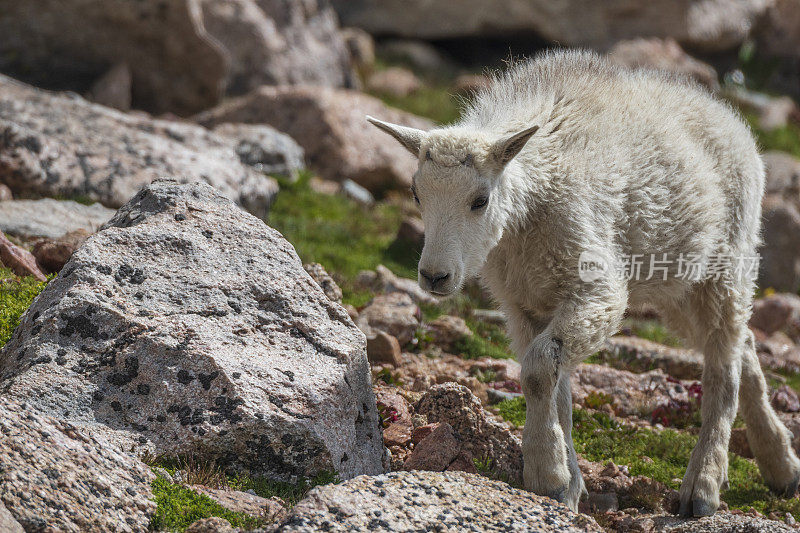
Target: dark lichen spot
[[104, 269], [207, 233], [184, 377], [115, 405], [127, 273], [80, 324], [143, 389], [206, 379], [130, 371], [180, 217]]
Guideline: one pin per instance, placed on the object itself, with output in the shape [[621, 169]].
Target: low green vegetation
[[435, 100], [660, 455], [16, 295], [179, 506], [339, 234], [785, 139], [652, 330], [488, 340]]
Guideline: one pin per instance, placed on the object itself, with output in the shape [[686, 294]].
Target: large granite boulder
[[50, 218], [57, 477], [706, 24], [67, 44], [187, 326], [179, 56], [430, 501], [60, 145], [331, 127], [274, 42]]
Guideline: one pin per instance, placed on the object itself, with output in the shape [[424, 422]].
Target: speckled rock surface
[[56, 477], [720, 523], [50, 218], [189, 326], [430, 501], [480, 435], [60, 145]]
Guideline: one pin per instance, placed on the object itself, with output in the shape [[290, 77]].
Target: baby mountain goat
[[577, 189]]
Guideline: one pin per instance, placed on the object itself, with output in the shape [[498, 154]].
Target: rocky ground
[[211, 323]]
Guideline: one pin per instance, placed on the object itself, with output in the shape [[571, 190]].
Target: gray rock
[[274, 42], [330, 126], [395, 313], [175, 66], [708, 25], [783, 175], [430, 501], [640, 355], [265, 149], [779, 267], [384, 280], [57, 145], [325, 281], [7, 521], [113, 89], [665, 55], [719, 523], [187, 326], [57, 477], [50, 218], [480, 435], [357, 193]]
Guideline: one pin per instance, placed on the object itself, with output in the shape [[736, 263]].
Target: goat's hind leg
[[720, 333], [769, 439]]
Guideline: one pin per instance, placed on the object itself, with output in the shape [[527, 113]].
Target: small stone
[[211, 525], [5, 193], [19, 260], [447, 330], [411, 234], [785, 399], [394, 81], [436, 451], [383, 348], [603, 502], [52, 255], [357, 193], [325, 281]]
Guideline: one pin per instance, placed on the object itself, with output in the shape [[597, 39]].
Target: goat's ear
[[410, 138], [506, 149]]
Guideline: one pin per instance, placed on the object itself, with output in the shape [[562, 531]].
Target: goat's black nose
[[434, 279]]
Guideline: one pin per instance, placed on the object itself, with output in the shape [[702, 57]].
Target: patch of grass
[[792, 379], [339, 234], [437, 103], [660, 455], [178, 507], [785, 139], [435, 100], [291, 493], [596, 400], [652, 330], [16, 295], [477, 346]]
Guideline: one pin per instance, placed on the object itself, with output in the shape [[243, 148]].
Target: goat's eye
[[414, 194], [480, 202]]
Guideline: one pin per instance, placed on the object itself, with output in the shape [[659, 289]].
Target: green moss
[[660, 455], [652, 330], [785, 139], [487, 341], [339, 234], [16, 295], [291, 493], [178, 507], [437, 103]]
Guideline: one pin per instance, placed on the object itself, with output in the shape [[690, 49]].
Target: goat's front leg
[[577, 329]]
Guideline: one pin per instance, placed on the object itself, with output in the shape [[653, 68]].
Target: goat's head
[[460, 189]]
